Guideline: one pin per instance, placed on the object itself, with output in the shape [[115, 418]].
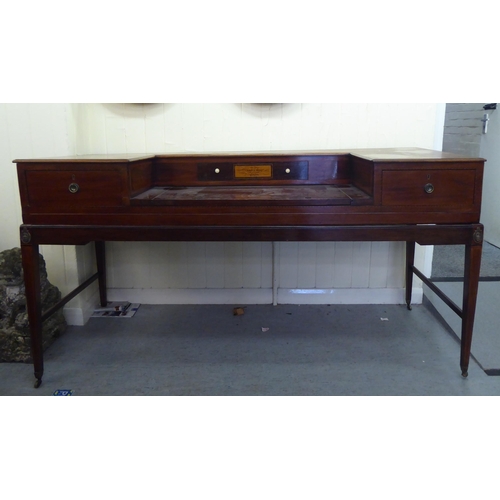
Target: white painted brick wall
[[463, 128]]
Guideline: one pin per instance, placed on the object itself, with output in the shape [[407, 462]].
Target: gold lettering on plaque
[[253, 171]]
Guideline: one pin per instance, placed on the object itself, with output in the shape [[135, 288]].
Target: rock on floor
[[14, 327]]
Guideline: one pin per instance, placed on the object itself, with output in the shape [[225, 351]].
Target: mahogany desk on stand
[[409, 194]]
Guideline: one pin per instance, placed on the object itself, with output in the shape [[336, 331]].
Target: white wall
[[28, 131], [219, 272], [490, 150]]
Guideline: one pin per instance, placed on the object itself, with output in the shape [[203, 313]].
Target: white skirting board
[[347, 296], [265, 296], [241, 296]]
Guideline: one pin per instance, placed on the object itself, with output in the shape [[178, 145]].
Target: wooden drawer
[[421, 188], [74, 189], [277, 170]]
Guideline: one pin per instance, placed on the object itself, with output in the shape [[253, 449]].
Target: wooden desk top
[[373, 154]]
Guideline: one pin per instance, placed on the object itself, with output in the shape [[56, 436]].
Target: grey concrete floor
[[448, 261], [206, 350], [447, 274], [486, 338]]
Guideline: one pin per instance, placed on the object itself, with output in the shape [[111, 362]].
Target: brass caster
[[38, 383], [465, 373]]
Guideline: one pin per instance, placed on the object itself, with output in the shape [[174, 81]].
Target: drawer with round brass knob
[[74, 190], [420, 188]]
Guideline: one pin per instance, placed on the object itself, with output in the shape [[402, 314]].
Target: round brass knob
[[429, 188], [74, 187], [287, 170], [217, 171]]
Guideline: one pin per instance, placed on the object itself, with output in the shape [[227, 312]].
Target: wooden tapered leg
[[410, 260], [471, 285], [31, 267], [100, 252]]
